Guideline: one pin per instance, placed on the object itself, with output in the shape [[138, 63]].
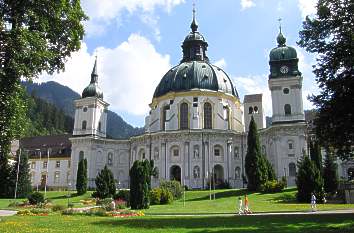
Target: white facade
[[90, 117], [55, 170]]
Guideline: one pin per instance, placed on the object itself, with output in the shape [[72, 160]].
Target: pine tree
[[105, 184], [330, 175], [316, 155], [308, 180], [81, 178], [140, 174], [24, 186], [255, 164], [270, 170]]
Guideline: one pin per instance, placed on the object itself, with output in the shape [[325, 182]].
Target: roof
[[58, 145], [193, 75], [253, 98]]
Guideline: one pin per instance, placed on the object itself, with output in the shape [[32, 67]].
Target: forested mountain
[[62, 98]]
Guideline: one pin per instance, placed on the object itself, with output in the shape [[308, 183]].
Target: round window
[[286, 90], [85, 109]]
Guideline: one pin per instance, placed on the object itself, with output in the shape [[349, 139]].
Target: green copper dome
[[283, 59], [193, 75], [93, 90], [282, 52], [194, 71]]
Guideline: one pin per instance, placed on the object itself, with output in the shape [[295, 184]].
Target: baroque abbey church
[[197, 125]]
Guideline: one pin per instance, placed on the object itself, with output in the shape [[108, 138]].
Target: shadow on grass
[[64, 196], [223, 194], [245, 224]]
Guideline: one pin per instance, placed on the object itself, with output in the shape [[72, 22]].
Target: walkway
[[7, 212], [322, 212]]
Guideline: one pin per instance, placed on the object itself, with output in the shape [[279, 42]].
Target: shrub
[[35, 198], [106, 204], [56, 208], [155, 196], [174, 187], [120, 204], [105, 184], [14, 204], [71, 205], [166, 197], [272, 186], [123, 194]]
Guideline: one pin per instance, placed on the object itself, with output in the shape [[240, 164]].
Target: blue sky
[[137, 41]]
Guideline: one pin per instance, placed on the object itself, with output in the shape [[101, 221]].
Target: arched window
[[195, 151], [255, 109], [237, 173], [292, 169], [164, 117], [110, 158], [227, 116], [207, 116], [250, 110], [141, 154], [287, 109], [184, 124], [196, 172], [99, 126], [236, 151], [156, 154], [84, 123], [81, 155]]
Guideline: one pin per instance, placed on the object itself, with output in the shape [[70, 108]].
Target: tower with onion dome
[[91, 110]]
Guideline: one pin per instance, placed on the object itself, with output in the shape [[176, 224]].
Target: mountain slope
[[63, 97]]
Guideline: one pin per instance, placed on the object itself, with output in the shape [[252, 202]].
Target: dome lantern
[[93, 90]]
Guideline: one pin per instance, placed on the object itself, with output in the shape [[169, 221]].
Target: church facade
[[196, 130]]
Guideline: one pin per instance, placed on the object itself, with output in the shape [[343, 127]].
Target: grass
[[227, 202], [57, 198], [343, 223]]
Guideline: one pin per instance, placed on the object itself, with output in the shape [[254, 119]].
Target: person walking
[[247, 209], [240, 206], [313, 202]]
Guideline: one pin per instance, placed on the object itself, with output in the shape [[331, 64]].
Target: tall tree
[[105, 183], [330, 174], [316, 155], [330, 35], [255, 164], [21, 166], [139, 184], [35, 36], [81, 177], [308, 180]]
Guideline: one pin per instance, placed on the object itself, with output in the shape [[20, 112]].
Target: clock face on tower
[[284, 69]]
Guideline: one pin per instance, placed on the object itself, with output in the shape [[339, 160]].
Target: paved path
[[7, 212], [344, 211]]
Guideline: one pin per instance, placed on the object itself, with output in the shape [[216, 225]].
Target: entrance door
[[175, 173]]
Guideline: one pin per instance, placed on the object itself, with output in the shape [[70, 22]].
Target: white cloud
[[247, 4], [307, 7], [103, 12], [128, 73], [221, 63], [255, 84]]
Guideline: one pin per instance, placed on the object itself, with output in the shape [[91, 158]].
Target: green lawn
[[226, 202], [343, 223], [57, 197]]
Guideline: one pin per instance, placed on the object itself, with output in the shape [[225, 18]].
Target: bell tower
[[91, 110], [285, 83]]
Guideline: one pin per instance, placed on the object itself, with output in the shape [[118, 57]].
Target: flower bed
[[99, 211], [33, 212]]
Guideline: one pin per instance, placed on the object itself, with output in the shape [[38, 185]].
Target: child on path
[[240, 209], [313, 202], [247, 209]]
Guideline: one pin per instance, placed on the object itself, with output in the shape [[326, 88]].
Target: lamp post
[[46, 175], [69, 185], [18, 170], [39, 167]]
